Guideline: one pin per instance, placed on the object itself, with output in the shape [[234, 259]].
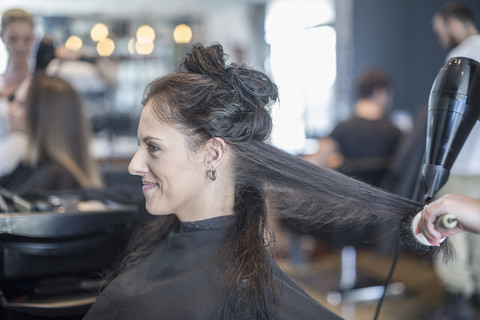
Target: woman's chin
[[155, 211]]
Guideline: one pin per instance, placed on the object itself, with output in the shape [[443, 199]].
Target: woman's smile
[[147, 185]]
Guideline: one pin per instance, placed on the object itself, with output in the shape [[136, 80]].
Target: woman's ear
[[215, 151]]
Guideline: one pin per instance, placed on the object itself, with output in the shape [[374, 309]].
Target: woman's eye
[[152, 147]]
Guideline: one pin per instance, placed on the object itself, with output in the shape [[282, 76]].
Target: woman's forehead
[[148, 116], [19, 27], [150, 121]]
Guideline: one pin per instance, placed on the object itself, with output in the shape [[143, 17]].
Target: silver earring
[[212, 174]]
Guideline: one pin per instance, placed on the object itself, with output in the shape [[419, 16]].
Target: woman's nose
[[137, 166]]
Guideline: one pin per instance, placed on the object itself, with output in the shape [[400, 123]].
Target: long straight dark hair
[[206, 98], [58, 130]]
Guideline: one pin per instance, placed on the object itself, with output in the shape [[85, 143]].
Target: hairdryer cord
[[389, 278]]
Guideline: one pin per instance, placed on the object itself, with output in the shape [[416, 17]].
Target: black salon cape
[[181, 280]]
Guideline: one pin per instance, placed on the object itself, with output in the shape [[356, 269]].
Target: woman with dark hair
[[212, 178], [50, 112]]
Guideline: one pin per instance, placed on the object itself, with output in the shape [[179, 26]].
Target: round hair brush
[[418, 243]]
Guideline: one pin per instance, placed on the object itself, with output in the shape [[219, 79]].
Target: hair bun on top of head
[[209, 61], [248, 93]]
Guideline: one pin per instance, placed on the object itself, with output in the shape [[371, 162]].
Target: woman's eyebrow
[[145, 139]]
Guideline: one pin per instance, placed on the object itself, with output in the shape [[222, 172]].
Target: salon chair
[[52, 261]]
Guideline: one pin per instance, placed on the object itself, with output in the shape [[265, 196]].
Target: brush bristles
[[410, 242]]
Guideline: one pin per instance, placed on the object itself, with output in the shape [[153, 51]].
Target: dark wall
[[397, 36]]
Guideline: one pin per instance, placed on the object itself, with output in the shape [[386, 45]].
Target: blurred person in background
[[17, 35], [363, 145], [454, 24], [50, 112]]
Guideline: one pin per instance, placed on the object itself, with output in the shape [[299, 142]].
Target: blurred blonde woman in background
[[17, 35]]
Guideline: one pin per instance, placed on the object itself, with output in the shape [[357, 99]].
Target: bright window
[[302, 62]]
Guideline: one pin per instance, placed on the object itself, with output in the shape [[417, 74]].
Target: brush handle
[[445, 222]]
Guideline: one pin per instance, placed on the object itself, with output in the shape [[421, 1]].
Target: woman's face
[[18, 38], [173, 176]]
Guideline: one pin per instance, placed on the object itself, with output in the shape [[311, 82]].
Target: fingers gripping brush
[[417, 243], [443, 223]]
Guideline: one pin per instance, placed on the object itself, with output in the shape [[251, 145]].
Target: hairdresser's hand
[[465, 209]]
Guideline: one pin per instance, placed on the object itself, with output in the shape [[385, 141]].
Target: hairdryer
[[453, 109]]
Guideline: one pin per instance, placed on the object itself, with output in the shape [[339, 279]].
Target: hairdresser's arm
[[465, 209]]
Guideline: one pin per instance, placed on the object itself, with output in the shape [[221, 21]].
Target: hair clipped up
[[210, 61]]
